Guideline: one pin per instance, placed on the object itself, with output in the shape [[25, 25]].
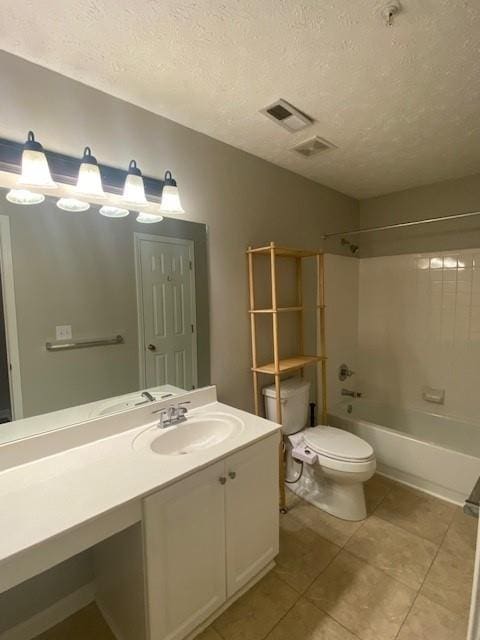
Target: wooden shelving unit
[[281, 365]]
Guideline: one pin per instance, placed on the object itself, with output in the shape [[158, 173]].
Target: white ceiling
[[401, 103]]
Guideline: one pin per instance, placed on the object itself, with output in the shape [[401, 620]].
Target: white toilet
[[344, 461]]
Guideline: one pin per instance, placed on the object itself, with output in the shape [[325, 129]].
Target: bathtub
[[430, 452]]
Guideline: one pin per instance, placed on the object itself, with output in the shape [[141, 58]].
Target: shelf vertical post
[[321, 330], [276, 360], [301, 335], [253, 332]]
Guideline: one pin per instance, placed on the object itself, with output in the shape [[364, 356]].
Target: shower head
[[353, 247]]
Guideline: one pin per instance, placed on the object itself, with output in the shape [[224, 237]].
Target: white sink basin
[[194, 435]]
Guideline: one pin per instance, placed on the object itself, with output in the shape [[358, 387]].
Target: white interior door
[[167, 311]]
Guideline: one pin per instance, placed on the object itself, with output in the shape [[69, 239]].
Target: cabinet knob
[[232, 475], [151, 347], [222, 480]]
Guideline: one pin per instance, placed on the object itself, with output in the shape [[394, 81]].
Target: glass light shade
[[170, 196], [148, 218], [35, 169], [25, 197], [113, 212], [89, 180], [73, 205], [134, 189]]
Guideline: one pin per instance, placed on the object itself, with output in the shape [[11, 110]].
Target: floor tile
[[397, 552], [449, 581], [417, 512], [209, 634], [375, 491], [303, 555], [306, 622], [362, 598], [86, 623], [430, 621], [255, 614], [461, 537], [304, 515]]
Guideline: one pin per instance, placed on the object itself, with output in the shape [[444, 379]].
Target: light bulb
[[148, 218], [113, 212], [89, 180], [170, 196], [134, 189], [35, 169], [72, 205], [25, 197]]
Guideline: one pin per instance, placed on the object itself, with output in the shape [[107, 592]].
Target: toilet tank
[[294, 394]]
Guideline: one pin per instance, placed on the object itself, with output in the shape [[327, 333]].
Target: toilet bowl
[[334, 482]]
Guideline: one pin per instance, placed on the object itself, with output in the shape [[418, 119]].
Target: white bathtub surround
[[419, 327], [88, 482], [434, 453]]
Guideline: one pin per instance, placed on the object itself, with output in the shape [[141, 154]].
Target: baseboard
[[108, 619], [51, 616], [420, 484]]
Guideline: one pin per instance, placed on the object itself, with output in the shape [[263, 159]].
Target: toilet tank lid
[[288, 388]]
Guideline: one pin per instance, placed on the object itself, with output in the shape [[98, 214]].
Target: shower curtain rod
[[412, 223]]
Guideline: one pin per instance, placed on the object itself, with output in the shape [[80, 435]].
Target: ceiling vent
[[287, 116], [313, 146]]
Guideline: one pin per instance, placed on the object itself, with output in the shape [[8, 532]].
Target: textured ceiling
[[401, 103]]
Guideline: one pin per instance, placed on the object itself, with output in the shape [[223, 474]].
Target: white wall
[[419, 325], [341, 297]]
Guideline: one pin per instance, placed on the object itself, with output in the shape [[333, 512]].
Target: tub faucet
[[147, 396], [351, 394]]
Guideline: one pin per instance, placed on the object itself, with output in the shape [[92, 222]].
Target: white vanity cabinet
[[209, 535]]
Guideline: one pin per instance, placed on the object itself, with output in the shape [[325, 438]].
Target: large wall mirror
[[95, 308]]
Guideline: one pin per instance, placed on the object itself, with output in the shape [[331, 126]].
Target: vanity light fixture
[[89, 181], [35, 169], [72, 205], [170, 196], [148, 218], [134, 189], [113, 212], [24, 197]]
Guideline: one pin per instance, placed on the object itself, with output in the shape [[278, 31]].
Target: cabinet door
[[251, 511], [185, 553]]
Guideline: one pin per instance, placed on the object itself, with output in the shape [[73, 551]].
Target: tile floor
[[403, 574]]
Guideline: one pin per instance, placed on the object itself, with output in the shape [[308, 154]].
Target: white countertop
[[43, 498]]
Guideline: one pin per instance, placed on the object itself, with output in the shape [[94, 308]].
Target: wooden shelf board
[[285, 252], [279, 310], [288, 364]]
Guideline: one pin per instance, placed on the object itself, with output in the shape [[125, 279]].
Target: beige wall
[[430, 201], [242, 199]]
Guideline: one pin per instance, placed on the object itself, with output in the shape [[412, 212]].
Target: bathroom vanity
[[181, 520]]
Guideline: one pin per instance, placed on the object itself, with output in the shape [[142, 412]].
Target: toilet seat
[[339, 449]]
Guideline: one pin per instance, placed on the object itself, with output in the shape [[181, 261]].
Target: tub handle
[[472, 503]]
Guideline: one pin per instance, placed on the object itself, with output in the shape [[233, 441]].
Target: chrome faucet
[[172, 415], [351, 394], [148, 396]]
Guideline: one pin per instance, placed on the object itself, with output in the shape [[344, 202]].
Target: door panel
[[168, 312], [185, 563], [252, 519]]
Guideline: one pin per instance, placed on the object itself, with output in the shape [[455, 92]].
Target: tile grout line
[[425, 578]]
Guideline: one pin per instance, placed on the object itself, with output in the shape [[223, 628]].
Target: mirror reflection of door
[[166, 309]]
